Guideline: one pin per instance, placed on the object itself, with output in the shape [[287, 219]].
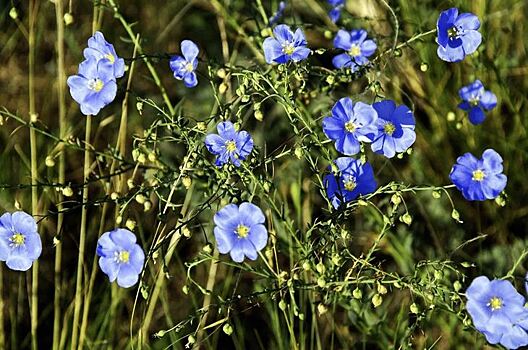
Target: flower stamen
[[242, 231], [122, 257], [288, 48], [17, 240], [478, 175], [354, 51], [96, 85], [495, 303], [110, 57], [389, 128], [349, 184], [230, 146], [350, 126], [189, 67]]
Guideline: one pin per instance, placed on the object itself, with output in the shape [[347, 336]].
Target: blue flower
[[94, 86], [240, 231], [395, 128], [335, 12], [498, 312], [229, 145], [357, 49], [458, 35], [349, 124], [479, 179], [277, 15], [285, 45], [101, 50], [184, 66], [476, 100], [121, 257], [354, 179], [20, 243]]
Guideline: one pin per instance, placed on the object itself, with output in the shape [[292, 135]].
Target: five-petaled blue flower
[[94, 86], [498, 312], [357, 49], [20, 243], [102, 50], [240, 231], [458, 35], [353, 179], [229, 145], [476, 100], [335, 12], [395, 128], [285, 45], [349, 124], [277, 15], [479, 179], [184, 66], [121, 257]]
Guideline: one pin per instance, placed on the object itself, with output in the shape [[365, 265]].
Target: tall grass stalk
[[82, 235], [33, 10], [61, 101]]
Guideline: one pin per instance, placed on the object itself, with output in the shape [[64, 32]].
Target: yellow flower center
[[17, 239], [242, 231], [110, 57], [350, 184], [389, 128], [474, 100], [230, 146], [189, 67], [478, 175], [96, 85], [288, 48], [123, 256], [452, 32], [495, 303], [350, 126], [354, 51]]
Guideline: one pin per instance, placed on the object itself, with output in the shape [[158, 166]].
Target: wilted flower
[[335, 12], [229, 145], [285, 45], [240, 231], [121, 257], [357, 49], [94, 86], [20, 242], [458, 35], [479, 179], [498, 312], [184, 66], [277, 15], [349, 124], [354, 179], [395, 128], [476, 100], [102, 50]]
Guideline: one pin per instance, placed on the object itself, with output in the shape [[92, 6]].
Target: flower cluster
[[498, 311], [20, 242], [184, 66], [94, 86]]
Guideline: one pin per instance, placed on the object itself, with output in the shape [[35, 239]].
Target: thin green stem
[[59, 14], [33, 8], [82, 237]]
